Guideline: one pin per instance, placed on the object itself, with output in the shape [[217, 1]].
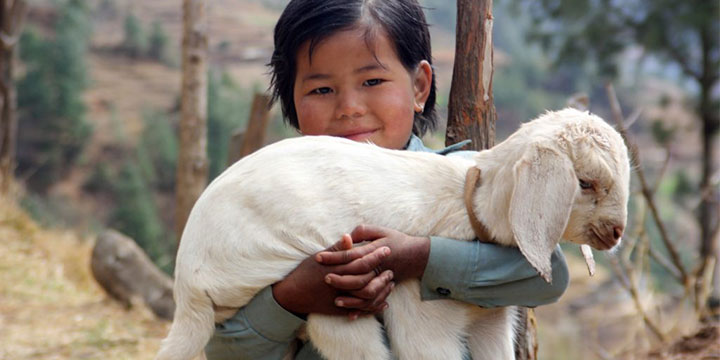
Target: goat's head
[[572, 182]]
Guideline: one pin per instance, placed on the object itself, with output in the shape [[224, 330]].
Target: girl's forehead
[[360, 41]]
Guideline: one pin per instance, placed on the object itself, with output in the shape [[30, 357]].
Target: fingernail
[[391, 275], [386, 251], [339, 303], [318, 258], [385, 306], [392, 285], [328, 280]]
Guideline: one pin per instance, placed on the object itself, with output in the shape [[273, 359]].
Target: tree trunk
[[243, 143], [12, 14], [255, 134], [123, 270], [471, 113], [192, 169], [710, 196]]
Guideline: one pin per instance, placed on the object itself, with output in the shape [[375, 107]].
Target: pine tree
[[53, 130]]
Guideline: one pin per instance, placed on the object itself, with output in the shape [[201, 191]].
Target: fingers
[[375, 287], [338, 251], [359, 306], [359, 282], [368, 233], [348, 256], [364, 264], [345, 243], [343, 253], [349, 282]]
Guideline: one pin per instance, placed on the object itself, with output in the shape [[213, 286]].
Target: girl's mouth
[[359, 135]]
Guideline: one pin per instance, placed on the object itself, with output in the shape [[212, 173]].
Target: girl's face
[[349, 90]]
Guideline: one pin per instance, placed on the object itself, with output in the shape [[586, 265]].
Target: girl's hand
[[308, 289], [407, 259]]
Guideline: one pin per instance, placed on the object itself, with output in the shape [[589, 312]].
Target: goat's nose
[[617, 232]]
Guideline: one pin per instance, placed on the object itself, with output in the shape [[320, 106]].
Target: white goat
[[564, 175]]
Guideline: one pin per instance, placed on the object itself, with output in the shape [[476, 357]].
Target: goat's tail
[[192, 327]]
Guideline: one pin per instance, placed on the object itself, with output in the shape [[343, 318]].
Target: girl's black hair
[[315, 20]]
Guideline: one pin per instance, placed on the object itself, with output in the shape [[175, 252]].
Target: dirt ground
[[703, 345], [50, 306]]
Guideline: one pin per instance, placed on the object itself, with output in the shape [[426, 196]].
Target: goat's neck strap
[[472, 181]]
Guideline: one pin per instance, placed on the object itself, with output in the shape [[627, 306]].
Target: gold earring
[[419, 108]]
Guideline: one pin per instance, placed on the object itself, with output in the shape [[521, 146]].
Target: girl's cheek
[[400, 103], [309, 118]]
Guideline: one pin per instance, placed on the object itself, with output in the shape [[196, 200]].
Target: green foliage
[[136, 214], [135, 179], [228, 109], [684, 186], [139, 43], [525, 85], [587, 30], [661, 133], [135, 41], [52, 128], [99, 180], [158, 43], [158, 150]]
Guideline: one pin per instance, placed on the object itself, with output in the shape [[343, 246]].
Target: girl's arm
[[260, 330], [478, 273], [266, 327], [489, 275]]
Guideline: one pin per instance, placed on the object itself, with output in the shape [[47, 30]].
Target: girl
[[361, 69]]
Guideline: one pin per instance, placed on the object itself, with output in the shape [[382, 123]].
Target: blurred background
[[98, 105]]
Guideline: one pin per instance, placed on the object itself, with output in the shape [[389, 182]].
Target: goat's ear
[[543, 194]]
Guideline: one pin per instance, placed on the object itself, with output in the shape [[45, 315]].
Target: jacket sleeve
[[489, 275], [260, 330]]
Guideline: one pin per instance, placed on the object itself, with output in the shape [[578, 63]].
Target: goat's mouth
[[600, 242]]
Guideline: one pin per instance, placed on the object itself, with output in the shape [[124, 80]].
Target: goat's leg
[[424, 330], [491, 332], [338, 338]]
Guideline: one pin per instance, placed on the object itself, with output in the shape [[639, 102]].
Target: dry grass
[[50, 306]]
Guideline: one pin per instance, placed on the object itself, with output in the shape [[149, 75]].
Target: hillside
[[51, 307]]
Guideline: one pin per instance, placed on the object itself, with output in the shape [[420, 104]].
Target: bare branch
[[665, 264], [8, 41], [663, 169], [10, 33], [623, 270], [646, 191]]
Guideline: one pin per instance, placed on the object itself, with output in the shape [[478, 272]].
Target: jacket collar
[[416, 144]]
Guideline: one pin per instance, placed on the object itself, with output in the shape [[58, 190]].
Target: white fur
[[265, 214]]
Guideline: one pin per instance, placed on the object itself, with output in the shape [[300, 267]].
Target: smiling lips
[[358, 135]]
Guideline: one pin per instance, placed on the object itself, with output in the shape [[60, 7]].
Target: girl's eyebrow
[[371, 67], [366, 68]]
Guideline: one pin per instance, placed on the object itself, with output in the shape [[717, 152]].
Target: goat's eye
[[585, 185]]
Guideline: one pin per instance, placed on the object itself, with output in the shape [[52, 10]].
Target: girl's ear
[[422, 83]]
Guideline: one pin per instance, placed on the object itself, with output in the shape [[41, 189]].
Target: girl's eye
[[373, 82], [321, 91], [585, 185]]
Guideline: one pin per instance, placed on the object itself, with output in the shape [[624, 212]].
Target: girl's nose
[[350, 105]]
